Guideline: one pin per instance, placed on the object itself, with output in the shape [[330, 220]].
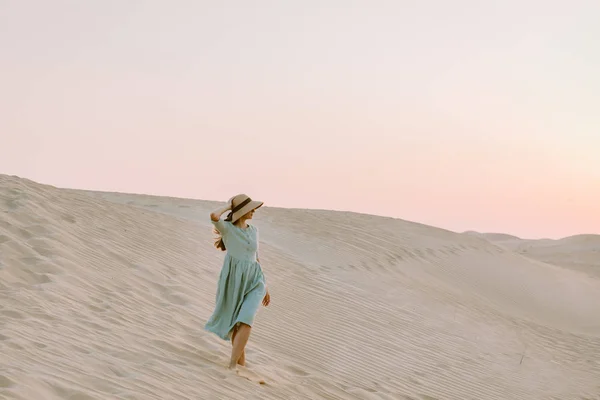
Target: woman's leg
[[241, 339], [242, 360]]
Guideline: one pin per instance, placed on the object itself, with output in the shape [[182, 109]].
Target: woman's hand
[[216, 215], [267, 299]]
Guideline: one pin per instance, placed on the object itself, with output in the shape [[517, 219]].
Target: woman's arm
[[216, 215]]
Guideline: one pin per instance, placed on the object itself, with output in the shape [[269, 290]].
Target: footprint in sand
[[69, 218], [296, 371], [426, 397], [5, 382], [13, 314]]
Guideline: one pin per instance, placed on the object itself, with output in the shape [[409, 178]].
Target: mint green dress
[[241, 286]]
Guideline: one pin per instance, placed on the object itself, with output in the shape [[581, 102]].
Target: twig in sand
[[523, 356]]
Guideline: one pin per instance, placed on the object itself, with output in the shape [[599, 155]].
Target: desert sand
[[579, 252], [105, 295]]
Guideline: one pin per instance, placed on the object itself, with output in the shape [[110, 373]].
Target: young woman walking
[[241, 287]]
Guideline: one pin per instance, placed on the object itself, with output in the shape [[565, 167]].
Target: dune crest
[[577, 252], [104, 295]]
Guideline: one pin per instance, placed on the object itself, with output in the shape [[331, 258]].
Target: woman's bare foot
[[250, 375], [233, 367]]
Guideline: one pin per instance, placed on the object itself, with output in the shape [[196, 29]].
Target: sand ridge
[[104, 295], [578, 252]]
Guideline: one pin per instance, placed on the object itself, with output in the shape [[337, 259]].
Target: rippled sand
[[104, 296]]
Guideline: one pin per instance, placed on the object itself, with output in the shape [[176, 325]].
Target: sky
[[464, 115]]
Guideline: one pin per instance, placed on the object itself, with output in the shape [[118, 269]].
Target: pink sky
[[463, 116]]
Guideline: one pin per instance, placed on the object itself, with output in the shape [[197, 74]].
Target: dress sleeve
[[222, 226]]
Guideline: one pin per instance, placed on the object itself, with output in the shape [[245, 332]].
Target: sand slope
[[103, 296], [579, 252]]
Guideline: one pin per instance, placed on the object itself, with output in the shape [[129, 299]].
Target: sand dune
[[579, 252], [104, 295]]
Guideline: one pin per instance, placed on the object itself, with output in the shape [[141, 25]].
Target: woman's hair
[[219, 243]]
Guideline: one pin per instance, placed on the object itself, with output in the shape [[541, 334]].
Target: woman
[[241, 287]]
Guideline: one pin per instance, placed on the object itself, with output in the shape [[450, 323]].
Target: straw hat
[[242, 205]]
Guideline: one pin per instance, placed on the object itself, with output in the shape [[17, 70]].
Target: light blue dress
[[241, 287]]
